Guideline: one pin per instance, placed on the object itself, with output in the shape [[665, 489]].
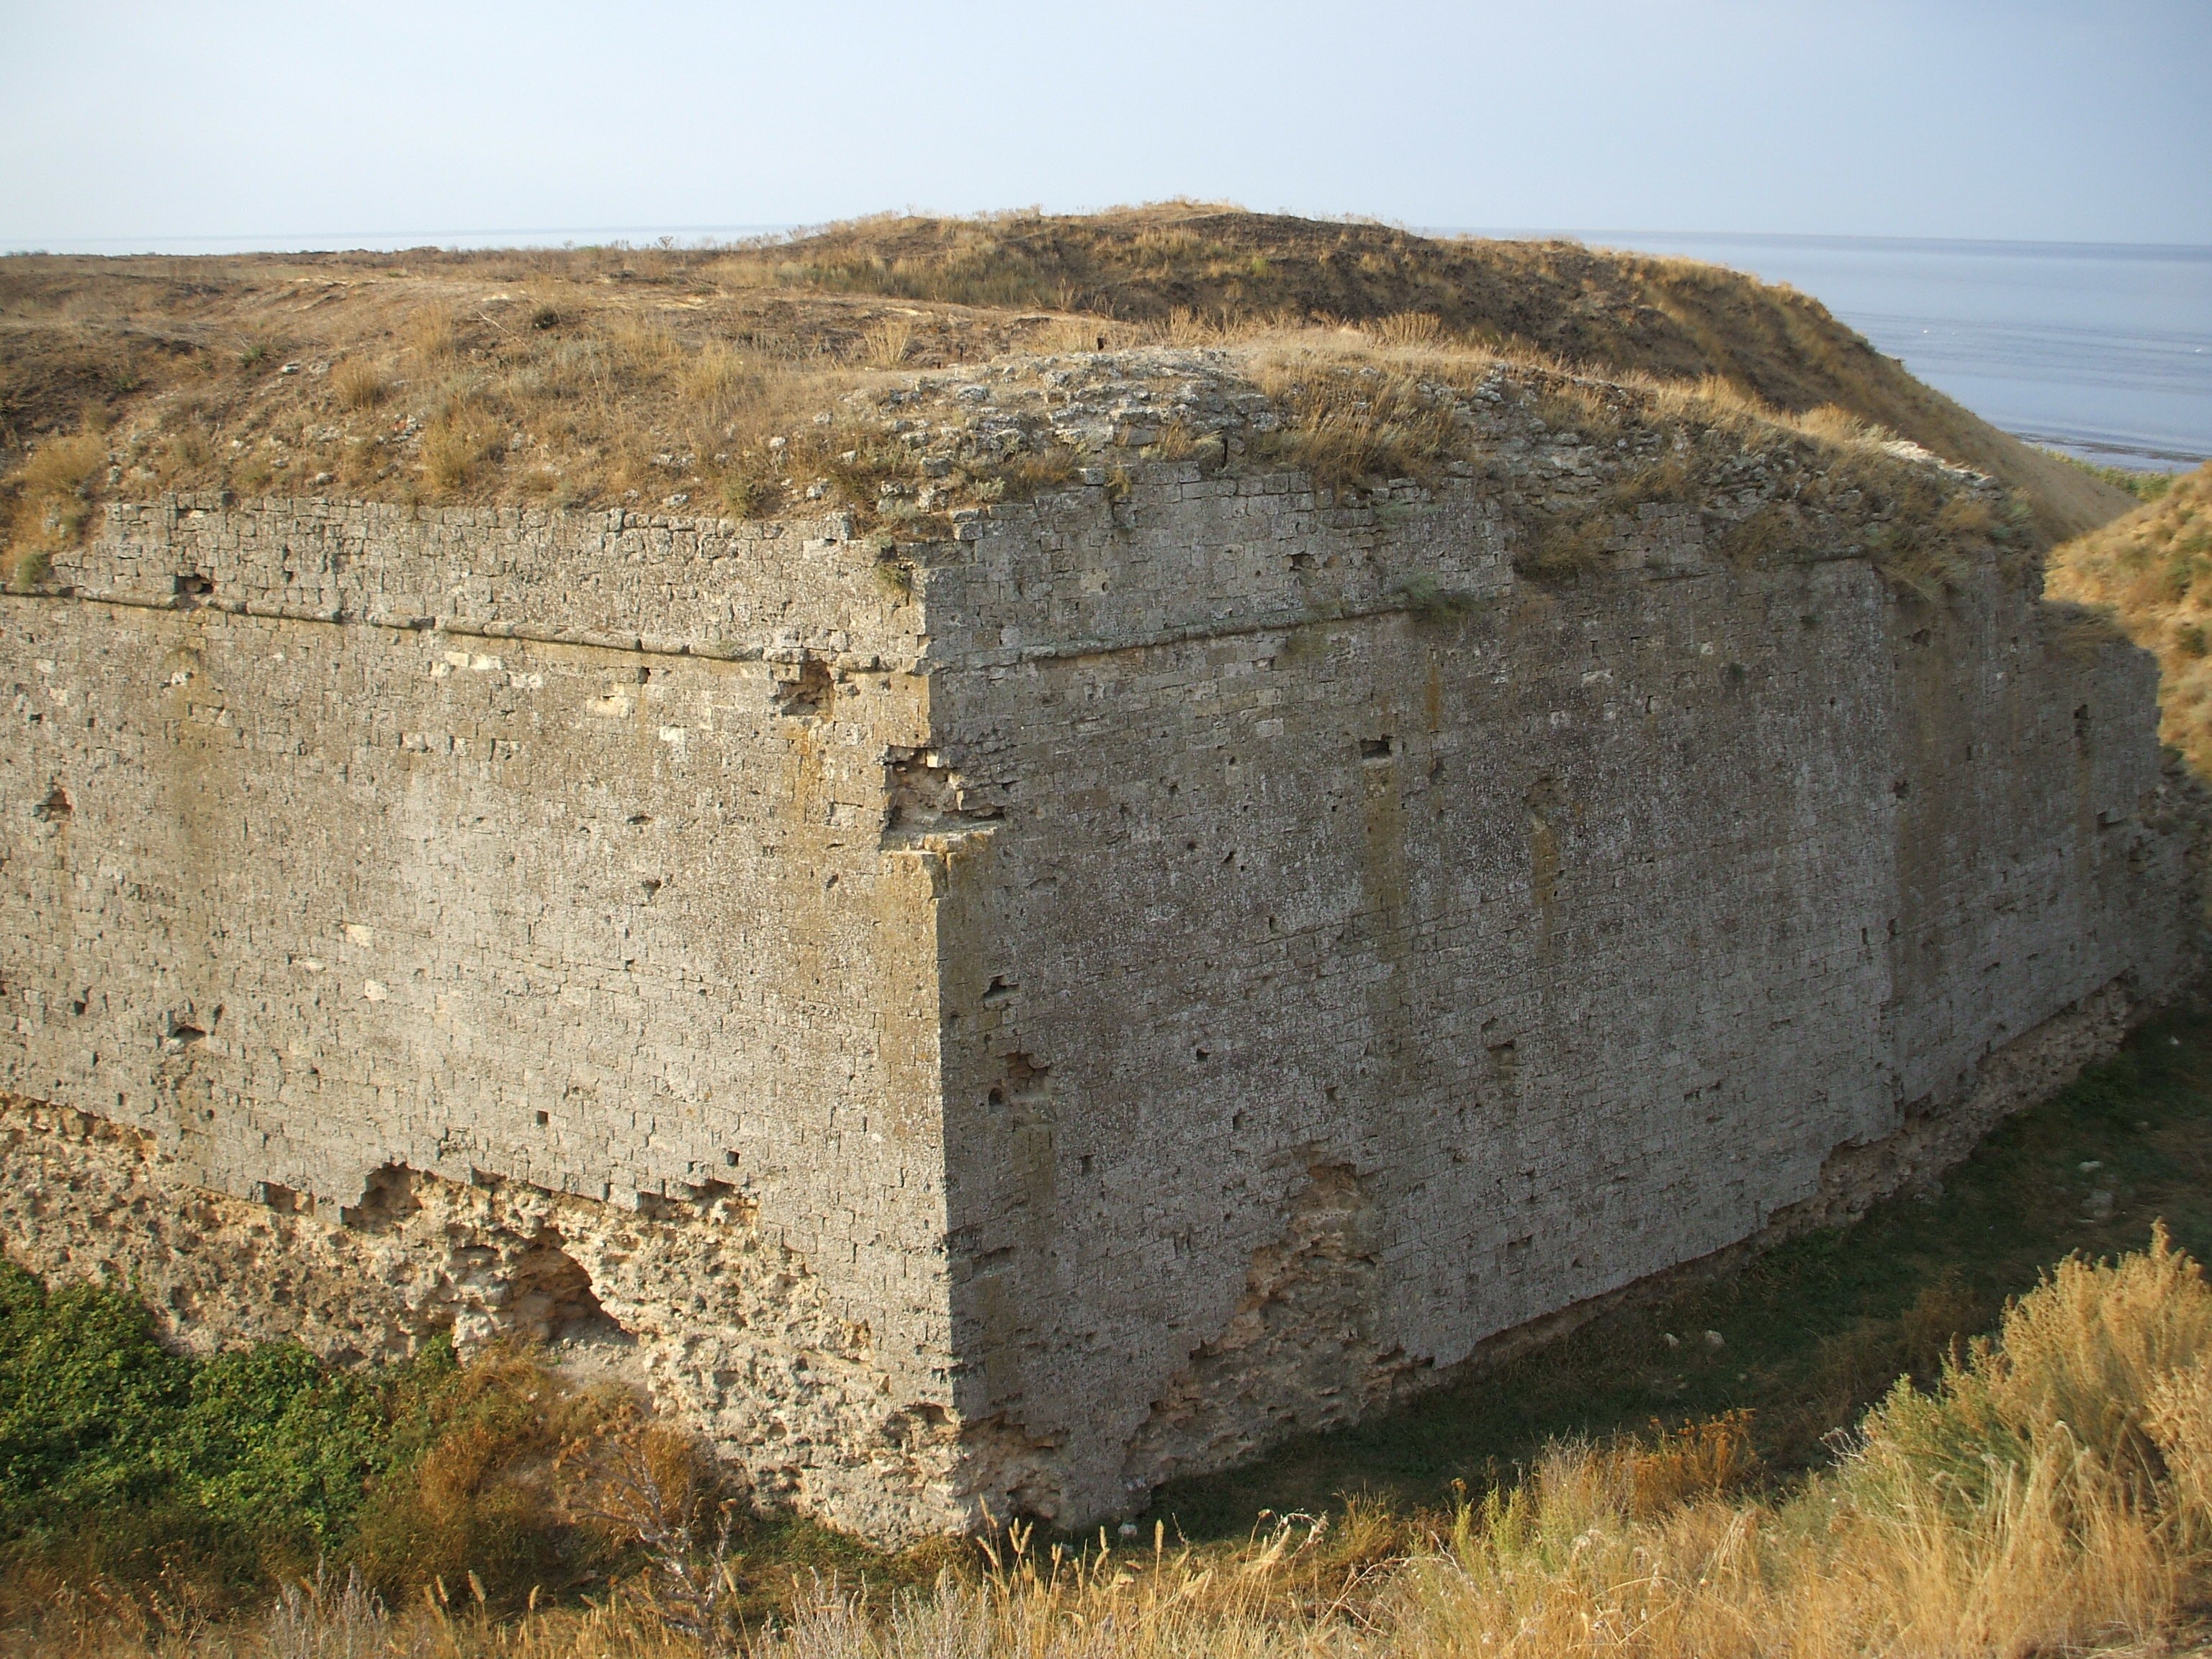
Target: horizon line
[[443, 241]]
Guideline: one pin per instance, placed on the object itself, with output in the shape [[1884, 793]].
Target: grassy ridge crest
[[694, 380]]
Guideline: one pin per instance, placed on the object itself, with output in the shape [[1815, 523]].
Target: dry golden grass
[[359, 384], [580, 379], [2152, 571], [51, 503], [2049, 1496], [1185, 267], [884, 344], [611, 375]]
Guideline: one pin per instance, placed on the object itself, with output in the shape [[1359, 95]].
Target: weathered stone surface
[[687, 1301], [1147, 980]]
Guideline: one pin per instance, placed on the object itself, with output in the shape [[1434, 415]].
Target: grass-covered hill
[[1603, 312], [2151, 570], [611, 375]]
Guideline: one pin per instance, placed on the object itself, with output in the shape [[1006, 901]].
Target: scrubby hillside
[[2153, 571], [1609, 312], [714, 379]]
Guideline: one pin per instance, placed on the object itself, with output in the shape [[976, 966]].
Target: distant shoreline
[[2126, 456], [308, 242]]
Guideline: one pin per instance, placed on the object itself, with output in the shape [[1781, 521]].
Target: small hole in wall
[[1201, 1054], [1087, 1163], [729, 1160], [387, 1199], [544, 1118], [550, 1297], [1237, 1121], [1505, 1061], [1375, 748], [807, 693]]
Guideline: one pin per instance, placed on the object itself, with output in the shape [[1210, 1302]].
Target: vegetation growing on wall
[[120, 1461]]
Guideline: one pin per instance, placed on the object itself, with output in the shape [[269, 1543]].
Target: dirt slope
[[2151, 570]]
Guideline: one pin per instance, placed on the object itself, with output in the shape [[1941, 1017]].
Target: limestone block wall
[[1325, 998], [1186, 959], [353, 845]]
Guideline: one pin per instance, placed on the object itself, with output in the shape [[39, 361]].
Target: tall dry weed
[[357, 383], [644, 347], [886, 342], [1410, 330], [52, 503], [457, 446], [432, 333], [1350, 423]]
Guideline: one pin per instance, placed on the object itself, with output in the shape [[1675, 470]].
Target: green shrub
[[121, 1460], [87, 1400], [273, 1440]]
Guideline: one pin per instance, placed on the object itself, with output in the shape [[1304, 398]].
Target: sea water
[[2101, 350]]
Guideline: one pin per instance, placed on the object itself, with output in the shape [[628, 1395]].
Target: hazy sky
[[318, 125]]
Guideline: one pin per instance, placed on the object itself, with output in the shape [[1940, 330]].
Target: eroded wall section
[[521, 867], [1329, 994]]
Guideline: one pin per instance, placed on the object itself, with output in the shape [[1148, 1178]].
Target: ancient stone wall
[[360, 845], [1327, 996], [1176, 961]]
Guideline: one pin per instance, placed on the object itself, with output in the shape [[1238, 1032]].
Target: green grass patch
[[2144, 486], [120, 1460], [206, 1480]]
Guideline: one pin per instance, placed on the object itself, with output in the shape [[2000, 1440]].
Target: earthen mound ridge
[[902, 369]]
